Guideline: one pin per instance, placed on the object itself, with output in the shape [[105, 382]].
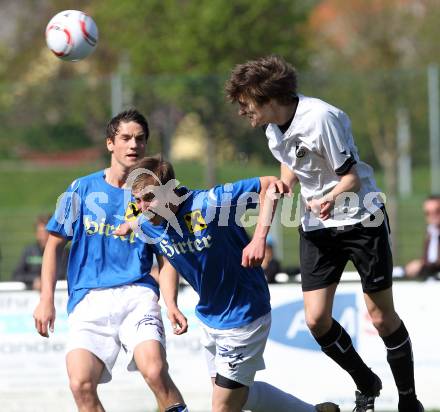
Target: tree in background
[[180, 52], [196, 43]]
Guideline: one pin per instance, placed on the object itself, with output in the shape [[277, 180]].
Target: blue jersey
[[87, 214], [208, 250]]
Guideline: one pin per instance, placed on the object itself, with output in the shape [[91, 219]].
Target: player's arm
[[349, 182], [126, 228], [288, 177], [169, 287], [154, 271], [333, 145], [271, 190], [44, 314]]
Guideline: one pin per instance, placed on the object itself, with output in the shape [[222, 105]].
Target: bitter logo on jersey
[[132, 212], [194, 221]]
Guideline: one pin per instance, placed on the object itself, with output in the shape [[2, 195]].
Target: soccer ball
[[71, 35]]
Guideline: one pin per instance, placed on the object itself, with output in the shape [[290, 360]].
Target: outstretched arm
[[126, 228], [169, 286], [272, 189], [44, 314]]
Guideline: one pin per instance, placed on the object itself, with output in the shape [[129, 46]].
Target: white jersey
[[318, 147]]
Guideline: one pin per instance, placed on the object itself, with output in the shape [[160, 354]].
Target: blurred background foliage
[[170, 59], [173, 57]]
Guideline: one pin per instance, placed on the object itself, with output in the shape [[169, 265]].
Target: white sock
[[264, 397]]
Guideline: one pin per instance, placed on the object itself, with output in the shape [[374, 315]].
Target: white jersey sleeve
[[336, 141], [319, 148]]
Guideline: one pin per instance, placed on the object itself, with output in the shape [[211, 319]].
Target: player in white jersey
[[113, 299], [343, 218]]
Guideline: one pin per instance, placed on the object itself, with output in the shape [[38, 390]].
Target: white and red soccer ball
[[71, 35]]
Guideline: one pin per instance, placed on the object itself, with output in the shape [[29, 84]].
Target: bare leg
[[334, 340], [380, 306], [318, 306], [229, 400], [84, 370], [150, 358]]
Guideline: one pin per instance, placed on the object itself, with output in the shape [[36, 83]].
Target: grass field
[[26, 191]]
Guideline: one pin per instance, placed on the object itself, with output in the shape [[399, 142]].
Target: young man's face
[[147, 203], [128, 146], [258, 115]]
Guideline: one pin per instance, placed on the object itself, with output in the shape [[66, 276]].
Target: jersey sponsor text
[[187, 246]]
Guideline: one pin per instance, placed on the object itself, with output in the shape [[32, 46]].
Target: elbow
[[272, 179], [356, 185], [352, 181], [266, 181]]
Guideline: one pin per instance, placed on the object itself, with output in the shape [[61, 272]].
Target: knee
[[82, 389], [384, 322], [220, 406], [318, 325], [378, 322], [155, 374]]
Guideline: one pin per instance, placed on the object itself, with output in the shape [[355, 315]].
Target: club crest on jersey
[[132, 212], [300, 151], [194, 221]]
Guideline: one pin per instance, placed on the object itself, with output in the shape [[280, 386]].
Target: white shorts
[[108, 319], [237, 353]]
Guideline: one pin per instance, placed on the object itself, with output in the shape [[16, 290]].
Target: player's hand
[[278, 189], [320, 207], [123, 229], [178, 321], [326, 208], [253, 253], [44, 317]]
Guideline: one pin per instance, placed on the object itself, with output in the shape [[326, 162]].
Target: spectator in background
[[271, 265], [429, 264], [28, 269]]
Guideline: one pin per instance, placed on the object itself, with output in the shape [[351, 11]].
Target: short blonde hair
[[156, 164]]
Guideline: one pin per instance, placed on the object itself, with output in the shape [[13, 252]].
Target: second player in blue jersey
[[200, 234]]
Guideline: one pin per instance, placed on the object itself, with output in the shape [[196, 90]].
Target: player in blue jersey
[[113, 299], [199, 234]]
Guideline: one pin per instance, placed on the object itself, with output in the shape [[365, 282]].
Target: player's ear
[[110, 143]]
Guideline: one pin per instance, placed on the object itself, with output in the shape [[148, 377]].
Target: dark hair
[[269, 77], [156, 164], [43, 219], [433, 197], [131, 115]]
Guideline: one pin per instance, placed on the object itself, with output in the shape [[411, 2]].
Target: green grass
[[27, 191]]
